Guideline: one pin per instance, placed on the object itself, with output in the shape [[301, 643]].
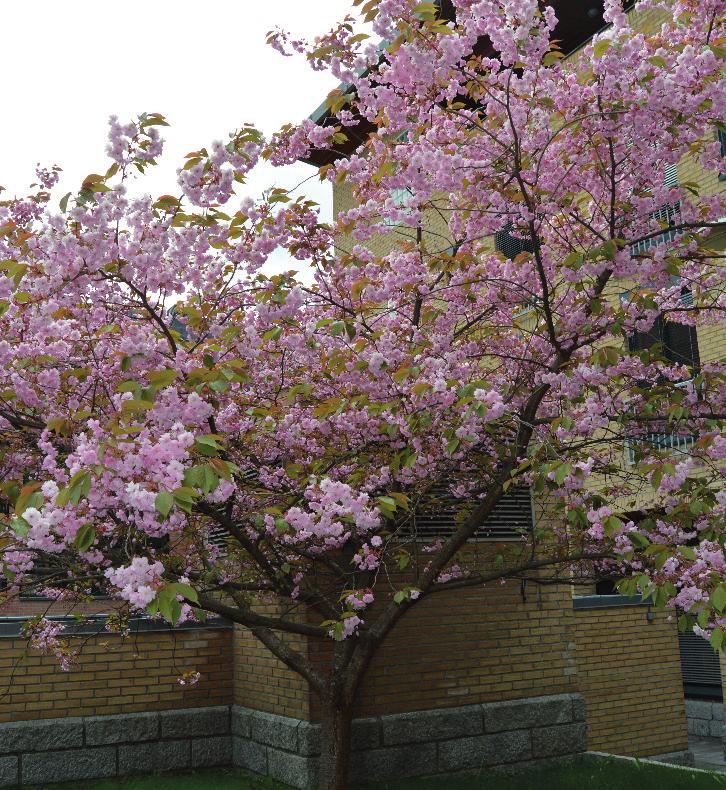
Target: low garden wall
[[421, 743], [114, 675], [100, 747], [705, 718]]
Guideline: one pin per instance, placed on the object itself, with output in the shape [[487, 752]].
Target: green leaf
[[85, 537], [64, 202], [135, 404], [453, 445], [207, 445], [717, 639], [425, 11], [718, 598], [639, 540], [562, 471], [20, 526], [163, 503], [281, 526], [129, 386], [186, 590], [273, 334], [612, 524], [29, 497], [162, 378], [601, 47]]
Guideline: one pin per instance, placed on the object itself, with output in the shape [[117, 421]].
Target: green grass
[[216, 779], [585, 775], [588, 775]]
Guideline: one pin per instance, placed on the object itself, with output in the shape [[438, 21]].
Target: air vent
[[511, 518], [699, 667]]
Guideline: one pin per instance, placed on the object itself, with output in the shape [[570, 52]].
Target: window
[[659, 440], [510, 245], [678, 342], [721, 136], [510, 519], [670, 214], [675, 444], [401, 199]]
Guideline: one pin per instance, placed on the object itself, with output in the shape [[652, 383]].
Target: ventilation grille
[[511, 518], [699, 662]]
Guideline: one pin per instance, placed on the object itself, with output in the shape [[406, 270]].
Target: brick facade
[[629, 672], [114, 675]]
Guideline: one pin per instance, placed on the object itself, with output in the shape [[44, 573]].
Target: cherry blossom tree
[[195, 437]]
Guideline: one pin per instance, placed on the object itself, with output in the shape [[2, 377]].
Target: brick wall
[[473, 646], [115, 675], [263, 682], [453, 649], [629, 672]]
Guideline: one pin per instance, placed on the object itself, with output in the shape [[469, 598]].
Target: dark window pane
[[679, 343], [511, 245]]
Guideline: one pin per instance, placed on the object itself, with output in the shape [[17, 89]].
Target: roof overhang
[[577, 22]]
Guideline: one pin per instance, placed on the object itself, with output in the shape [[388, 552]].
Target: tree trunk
[[335, 745]]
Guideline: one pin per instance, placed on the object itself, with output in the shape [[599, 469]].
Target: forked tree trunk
[[335, 745]]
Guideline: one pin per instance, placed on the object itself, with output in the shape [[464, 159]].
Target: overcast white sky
[[68, 65]]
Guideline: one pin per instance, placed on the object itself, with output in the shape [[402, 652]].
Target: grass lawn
[[575, 776], [585, 775], [213, 779]]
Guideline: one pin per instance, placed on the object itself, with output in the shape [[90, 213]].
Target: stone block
[[699, 727], [195, 722], [125, 728], [676, 758], [366, 734], [431, 725], [292, 769], [718, 711], [394, 762], [210, 752], [241, 721], [465, 754], [699, 709], [525, 713], [579, 708], [274, 730], [559, 740], [8, 771], [143, 758], [715, 728], [249, 755], [41, 736], [308, 738], [70, 765]]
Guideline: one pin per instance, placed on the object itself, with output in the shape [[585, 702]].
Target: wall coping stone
[[11, 627], [607, 601]]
